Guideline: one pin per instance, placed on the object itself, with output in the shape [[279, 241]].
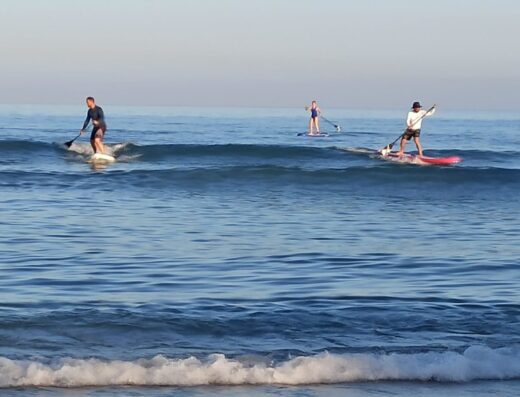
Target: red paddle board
[[414, 159]]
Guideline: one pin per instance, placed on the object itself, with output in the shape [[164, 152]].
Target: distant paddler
[[99, 127], [413, 127], [314, 122]]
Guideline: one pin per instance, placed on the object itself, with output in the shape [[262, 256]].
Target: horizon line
[[206, 106]]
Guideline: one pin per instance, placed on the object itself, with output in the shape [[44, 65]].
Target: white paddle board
[[101, 158]]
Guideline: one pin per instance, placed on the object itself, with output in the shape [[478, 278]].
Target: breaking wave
[[475, 363]]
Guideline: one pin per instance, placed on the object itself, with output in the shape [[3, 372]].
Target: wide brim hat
[[416, 105]]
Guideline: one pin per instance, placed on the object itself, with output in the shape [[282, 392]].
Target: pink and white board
[[422, 160]]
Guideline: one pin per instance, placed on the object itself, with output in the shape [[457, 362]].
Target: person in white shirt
[[413, 127]]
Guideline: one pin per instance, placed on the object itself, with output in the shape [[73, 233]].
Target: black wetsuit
[[96, 114]]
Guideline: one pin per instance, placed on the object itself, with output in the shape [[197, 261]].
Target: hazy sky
[[346, 53]]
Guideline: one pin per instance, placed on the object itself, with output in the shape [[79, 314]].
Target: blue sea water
[[222, 255]]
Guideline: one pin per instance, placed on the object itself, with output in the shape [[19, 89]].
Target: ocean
[[223, 255]]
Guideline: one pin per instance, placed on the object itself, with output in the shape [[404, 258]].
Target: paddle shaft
[[336, 126], [390, 146]]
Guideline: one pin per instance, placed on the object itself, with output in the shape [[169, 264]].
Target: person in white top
[[413, 127]]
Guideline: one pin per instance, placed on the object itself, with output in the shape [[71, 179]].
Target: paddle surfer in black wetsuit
[[95, 113]]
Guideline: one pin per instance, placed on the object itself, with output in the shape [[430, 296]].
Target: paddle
[[69, 143], [336, 126], [388, 148]]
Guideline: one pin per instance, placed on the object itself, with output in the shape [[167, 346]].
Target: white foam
[[119, 146], [85, 149], [476, 363], [81, 148]]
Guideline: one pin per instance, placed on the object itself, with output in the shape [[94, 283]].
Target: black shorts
[[98, 132], [409, 134]]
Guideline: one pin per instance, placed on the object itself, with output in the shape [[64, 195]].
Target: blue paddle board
[[321, 135]]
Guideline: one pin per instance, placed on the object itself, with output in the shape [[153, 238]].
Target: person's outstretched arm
[[87, 120]]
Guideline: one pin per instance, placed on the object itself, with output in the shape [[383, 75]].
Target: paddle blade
[[69, 143], [386, 150]]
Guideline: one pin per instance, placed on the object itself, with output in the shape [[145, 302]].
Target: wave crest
[[476, 363]]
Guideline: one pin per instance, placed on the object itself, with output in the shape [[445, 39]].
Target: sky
[[366, 54]]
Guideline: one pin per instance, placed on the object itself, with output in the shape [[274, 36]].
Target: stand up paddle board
[[421, 160], [408, 158], [101, 158], [321, 135]]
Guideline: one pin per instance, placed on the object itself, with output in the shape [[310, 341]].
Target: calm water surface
[[223, 255]]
